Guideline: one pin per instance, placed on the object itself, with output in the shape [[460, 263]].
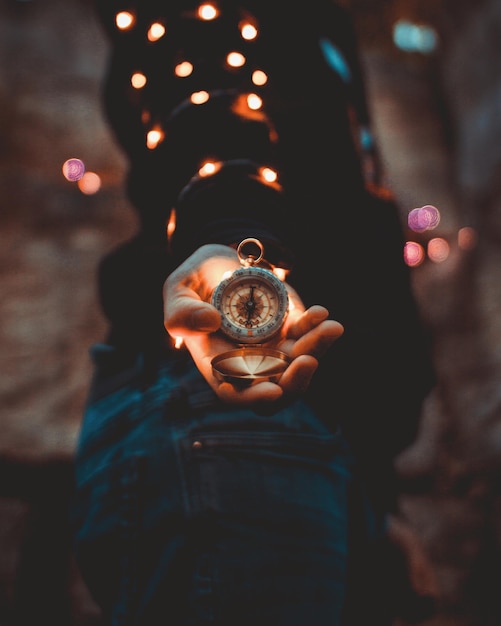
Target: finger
[[186, 315], [258, 393], [305, 321], [318, 340], [297, 377], [294, 381]]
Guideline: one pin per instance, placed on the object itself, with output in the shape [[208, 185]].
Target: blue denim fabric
[[188, 512]]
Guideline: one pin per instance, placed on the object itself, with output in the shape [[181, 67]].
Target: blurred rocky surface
[[446, 130], [52, 236], [439, 129]]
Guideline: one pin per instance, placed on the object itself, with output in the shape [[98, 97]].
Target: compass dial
[[253, 303]]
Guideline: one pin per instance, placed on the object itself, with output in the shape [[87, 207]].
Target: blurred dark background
[[433, 76]]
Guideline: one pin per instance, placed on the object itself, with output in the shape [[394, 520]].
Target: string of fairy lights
[[185, 67], [193, 76]]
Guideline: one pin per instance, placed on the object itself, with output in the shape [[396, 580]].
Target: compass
[[253, 304]]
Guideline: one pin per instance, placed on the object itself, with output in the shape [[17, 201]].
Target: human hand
[[305, 336]]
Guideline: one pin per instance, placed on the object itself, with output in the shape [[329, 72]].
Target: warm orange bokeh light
[[248, 31], [171, 224], [438, 250], [269, 175], [254, 102], [467, 238], [280, 272], [235, 59], [138, 80], [154, 137], [90, 183], [199, 97], [209, 168], [156, 31], [207, 12], [124, 20], [259, 78], [183, 69]]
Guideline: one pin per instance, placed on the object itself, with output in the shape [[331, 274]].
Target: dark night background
[[437, 118]]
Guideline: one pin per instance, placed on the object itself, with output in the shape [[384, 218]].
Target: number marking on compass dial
[[253, 303]]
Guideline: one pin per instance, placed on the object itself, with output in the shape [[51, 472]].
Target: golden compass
[[253, 304]]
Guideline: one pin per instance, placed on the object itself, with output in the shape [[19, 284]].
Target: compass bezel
[[275, 291]]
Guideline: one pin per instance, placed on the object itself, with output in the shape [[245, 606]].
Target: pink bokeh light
[[423, 218], [73, 169]]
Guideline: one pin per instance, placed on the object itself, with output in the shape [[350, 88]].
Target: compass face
[[253, 303]]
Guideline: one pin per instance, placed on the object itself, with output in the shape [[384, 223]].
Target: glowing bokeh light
[[254, 102], [156, 31], [414, 253], [154, 137], [467, 238], [124, 20], [438, 250], [248, 31], [199, 97], [207, 12], [138, 80], [171, 224], [73, 169], [183, 69], [423, 218], [90, 183], [209, 168], [415, 222], [259, 78], [411, 37], [336, 60], [280, 272], [235, 59], [268, 174], [432, 215]]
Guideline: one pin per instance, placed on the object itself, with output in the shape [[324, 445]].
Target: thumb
[[187, 316]]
